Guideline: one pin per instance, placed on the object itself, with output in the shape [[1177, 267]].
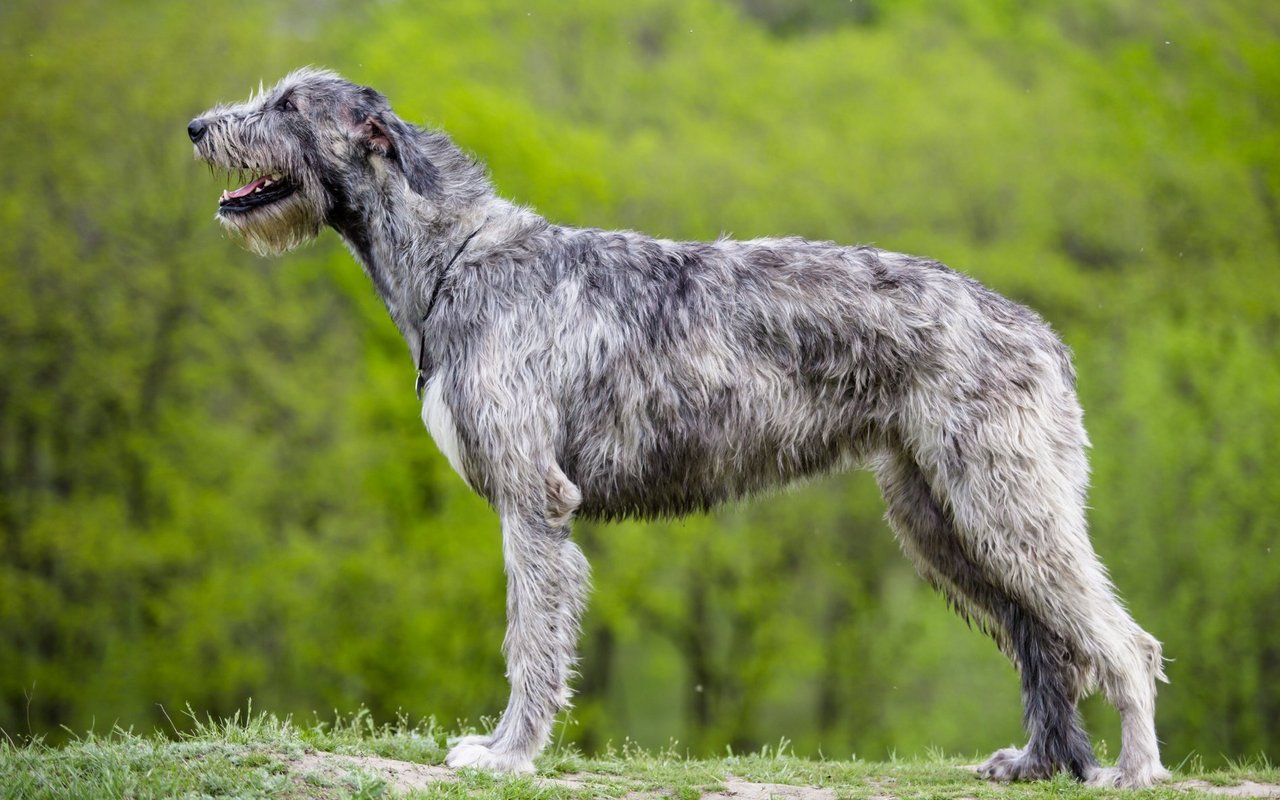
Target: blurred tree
[[213, 480]]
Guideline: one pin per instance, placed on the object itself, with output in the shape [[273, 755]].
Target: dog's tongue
[[246, 189]]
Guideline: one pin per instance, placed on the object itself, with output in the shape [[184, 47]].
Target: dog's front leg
[[547, 581]]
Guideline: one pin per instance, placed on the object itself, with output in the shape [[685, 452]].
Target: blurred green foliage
[[214, 483]]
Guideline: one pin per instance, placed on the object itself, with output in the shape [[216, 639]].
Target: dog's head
[[310, 149]]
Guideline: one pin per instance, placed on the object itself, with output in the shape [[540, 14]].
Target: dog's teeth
[[267, 183]]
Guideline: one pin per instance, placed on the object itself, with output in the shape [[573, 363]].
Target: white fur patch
[[438, 418]]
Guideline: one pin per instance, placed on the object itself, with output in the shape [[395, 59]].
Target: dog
[[570, 372]]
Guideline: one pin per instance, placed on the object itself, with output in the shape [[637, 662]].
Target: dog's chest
[[438, 418]]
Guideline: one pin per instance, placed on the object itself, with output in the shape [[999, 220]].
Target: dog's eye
[[286, 104]]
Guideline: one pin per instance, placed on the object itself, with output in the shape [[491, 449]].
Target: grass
[[261, 756]]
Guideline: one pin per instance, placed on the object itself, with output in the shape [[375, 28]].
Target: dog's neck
[[406, 263]]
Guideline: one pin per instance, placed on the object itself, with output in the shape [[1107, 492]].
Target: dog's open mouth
[[262, 191]]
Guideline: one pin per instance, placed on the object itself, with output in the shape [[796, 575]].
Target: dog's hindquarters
[[1051, 683], [987, 492]]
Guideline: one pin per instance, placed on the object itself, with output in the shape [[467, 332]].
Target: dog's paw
[[1121, 778], [1013, 764], [482, 756], [482, 739]]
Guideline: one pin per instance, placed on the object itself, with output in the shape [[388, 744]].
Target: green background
[[215, 486]]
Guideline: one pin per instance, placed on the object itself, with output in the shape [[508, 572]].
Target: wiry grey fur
[[607, 374]]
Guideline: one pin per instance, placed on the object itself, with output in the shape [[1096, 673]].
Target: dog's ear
[[376, 137], [393, 139]]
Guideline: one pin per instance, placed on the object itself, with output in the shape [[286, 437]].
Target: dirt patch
[[401, 777], [1242, 789]]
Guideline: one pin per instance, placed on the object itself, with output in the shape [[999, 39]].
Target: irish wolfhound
[[567, 372]]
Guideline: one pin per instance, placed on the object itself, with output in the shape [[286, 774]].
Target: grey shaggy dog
[[604, 374]]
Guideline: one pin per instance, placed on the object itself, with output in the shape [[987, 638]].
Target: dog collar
[[424, 369]]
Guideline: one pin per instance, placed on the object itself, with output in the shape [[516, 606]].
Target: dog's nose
[[196, 129]]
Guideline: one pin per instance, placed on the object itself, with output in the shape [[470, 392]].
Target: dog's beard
[[276, 228]]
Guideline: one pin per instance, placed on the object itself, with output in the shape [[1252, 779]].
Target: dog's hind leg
[[547, 582], [1051, 685], [1131, 664], [1013, 486]]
